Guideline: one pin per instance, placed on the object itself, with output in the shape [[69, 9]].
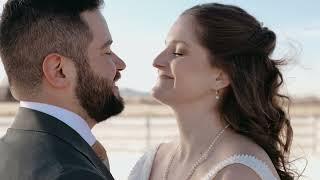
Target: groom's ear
[[57, 70]]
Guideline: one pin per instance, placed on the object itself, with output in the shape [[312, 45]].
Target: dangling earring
[[217, 95]]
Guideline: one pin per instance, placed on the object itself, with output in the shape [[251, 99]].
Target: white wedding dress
[[142, 169]]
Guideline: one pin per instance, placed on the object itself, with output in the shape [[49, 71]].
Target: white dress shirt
[[71, 119]]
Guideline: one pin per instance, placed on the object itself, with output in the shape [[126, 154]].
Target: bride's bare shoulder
[[237, 144]]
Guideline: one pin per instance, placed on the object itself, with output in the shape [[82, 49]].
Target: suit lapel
[[27, 119]]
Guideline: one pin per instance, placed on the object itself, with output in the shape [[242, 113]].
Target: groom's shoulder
[[79, 174], [42, 155]]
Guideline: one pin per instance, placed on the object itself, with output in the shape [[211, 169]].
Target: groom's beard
[[96, 95]]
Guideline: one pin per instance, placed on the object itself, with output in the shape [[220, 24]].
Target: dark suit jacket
[[40, 147]]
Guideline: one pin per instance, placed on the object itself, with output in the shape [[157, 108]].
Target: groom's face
[[97, 74]]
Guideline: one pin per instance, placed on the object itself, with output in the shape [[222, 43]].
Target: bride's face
[[184, 70]]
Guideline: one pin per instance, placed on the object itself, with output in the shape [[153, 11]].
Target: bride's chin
[[155, 92], [159, 94]]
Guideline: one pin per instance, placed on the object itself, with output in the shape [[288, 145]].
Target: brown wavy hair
[[252, 104]]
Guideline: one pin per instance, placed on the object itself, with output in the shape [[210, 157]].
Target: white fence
[[126, 138], [306, 131], [137, 134]]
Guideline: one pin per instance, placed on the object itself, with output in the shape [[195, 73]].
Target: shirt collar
[[71, 119]]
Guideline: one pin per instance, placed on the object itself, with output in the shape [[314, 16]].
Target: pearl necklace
[[203, 158]]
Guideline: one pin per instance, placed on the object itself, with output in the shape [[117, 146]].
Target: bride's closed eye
[[179, 52]]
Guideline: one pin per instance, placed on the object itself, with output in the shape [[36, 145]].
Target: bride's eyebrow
[[176, 42]]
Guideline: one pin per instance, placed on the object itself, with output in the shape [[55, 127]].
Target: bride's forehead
[[183, 29]]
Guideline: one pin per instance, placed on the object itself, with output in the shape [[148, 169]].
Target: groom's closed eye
[[109, 52], [106, 47]]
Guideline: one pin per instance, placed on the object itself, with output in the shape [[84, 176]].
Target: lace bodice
[[258, 166], [142, 169]]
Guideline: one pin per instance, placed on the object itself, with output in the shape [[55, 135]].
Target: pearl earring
[[217, 95]]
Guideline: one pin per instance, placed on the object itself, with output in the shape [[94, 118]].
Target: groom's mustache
[[117, 77]]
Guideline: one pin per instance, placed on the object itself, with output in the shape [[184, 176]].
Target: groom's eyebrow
[[107, 44]]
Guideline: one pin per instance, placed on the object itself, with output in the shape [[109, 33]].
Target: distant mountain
[[4, 82], [137, 97], [126, 92]]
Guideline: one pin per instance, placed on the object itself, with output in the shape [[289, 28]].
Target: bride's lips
[[116, 78], [164, 76], [115, 87]]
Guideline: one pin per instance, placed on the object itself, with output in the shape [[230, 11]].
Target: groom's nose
[[120, 64]]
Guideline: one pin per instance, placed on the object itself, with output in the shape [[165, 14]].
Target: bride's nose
[[161, 61]]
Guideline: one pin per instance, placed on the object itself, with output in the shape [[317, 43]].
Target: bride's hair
[[252, 104]]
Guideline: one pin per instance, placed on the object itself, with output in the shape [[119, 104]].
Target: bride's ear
[[221, 80]]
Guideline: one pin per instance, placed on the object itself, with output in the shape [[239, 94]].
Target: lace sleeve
[[142, 169]]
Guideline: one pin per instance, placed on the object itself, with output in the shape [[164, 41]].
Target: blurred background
[[139, 29]]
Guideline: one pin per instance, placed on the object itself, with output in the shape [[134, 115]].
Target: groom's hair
[[32, 29]]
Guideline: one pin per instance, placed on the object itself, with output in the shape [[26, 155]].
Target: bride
[[217, 75]]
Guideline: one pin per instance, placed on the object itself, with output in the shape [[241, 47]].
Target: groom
[[58, 58]]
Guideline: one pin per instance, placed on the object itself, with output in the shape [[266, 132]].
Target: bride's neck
[[198, 125]]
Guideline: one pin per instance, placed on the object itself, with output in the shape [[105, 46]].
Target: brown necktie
[[101, 153]]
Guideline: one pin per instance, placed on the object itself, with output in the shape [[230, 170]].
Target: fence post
[[148, 129], [314, 134]]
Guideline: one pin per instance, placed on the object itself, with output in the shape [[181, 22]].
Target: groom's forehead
[[98, 27]]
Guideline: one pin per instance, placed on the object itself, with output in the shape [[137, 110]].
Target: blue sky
[[139, 29]]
